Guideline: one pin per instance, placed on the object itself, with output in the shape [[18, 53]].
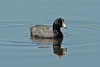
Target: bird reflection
[[56, 45]]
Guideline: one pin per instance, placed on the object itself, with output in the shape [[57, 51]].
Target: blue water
[[80, 46]]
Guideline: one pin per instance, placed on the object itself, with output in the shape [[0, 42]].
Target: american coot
[[48, 31]]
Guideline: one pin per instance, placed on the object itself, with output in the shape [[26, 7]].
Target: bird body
[[48, 31]]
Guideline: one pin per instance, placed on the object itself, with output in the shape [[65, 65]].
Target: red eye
[[62, 20]]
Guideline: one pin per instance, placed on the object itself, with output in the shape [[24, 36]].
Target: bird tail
[[30, 31]]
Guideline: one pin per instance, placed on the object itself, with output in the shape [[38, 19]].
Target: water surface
[[80, 46]]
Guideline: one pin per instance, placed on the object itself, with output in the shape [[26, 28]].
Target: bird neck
[[56, 29]]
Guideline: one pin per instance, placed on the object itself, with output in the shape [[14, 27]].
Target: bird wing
[[42, 31]]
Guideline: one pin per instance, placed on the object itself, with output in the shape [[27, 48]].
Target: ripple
[[17, 25], [77, 33]]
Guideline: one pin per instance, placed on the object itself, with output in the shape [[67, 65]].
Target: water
[[80, 46]]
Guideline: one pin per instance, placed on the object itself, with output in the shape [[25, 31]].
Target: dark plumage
[[48, 31]]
